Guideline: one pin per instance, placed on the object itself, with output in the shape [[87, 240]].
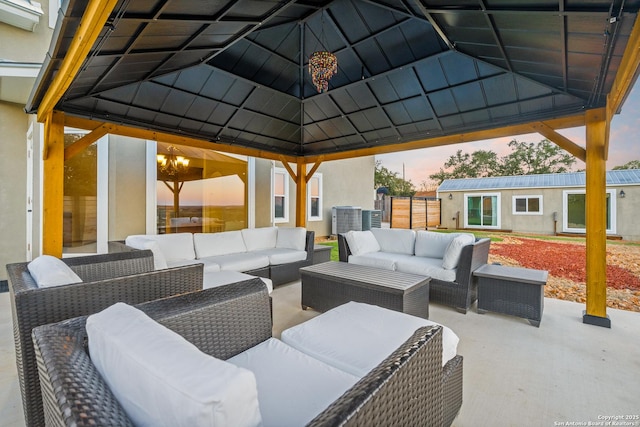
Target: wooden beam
[[81, 144], [627, 72], [91, 25], [596, 219], [131, 132], [301, 194], [53, 185], [560, 140], [507, 131], [292, 174], [314, 168]]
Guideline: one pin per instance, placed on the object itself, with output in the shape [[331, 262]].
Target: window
[[527, 205], [280, 195], [314, 197], [574, 204], [482, 210]]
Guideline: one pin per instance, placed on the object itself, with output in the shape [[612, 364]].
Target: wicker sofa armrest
[[406, 388], [472, 257], [32, 306], [221, 321], [343, 248], [308, 246]]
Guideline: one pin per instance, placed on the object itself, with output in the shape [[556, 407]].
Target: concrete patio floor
[[563, 373]]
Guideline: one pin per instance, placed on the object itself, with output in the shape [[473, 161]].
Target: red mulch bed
[[562, 260], [565, 262]]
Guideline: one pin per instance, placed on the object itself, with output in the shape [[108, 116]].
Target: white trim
[[19, 69], [29, 199], [251, 192], [527, 197], [41, 187], [498, 209], [280, 171], [317, 176], [20, 13], [151, 211], [612, 192], [54, 5], [102, 202]]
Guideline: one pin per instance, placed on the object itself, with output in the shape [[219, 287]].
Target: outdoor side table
[[511, 290], [330, 284], [321, 253]]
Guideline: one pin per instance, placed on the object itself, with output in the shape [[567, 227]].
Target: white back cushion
[[452, 254], [214, 244], [142, 242], [48, 271], [161, 379], [174, 246], [291, 238], [395, 240], [256, 239], [431, 244], [361, 242]]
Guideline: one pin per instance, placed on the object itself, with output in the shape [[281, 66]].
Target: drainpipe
[[555, 222], [457, 219]]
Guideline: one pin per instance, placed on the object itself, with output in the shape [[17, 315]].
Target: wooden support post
[[596, 219], [53, 190], [301, 194]]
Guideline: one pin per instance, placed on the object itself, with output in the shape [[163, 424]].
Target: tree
[[633, 164], [524, 159], [397, 186]]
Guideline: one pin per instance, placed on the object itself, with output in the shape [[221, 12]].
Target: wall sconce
[[622, 194], [451, 196]]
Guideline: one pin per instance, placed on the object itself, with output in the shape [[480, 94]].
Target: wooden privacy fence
[[414, 212]]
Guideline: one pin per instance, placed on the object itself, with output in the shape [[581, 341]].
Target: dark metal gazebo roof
[[235, 72]]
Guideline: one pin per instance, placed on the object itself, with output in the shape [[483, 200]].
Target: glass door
[[482, 210]]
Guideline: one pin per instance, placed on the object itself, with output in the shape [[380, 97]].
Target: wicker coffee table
[[330, 284]]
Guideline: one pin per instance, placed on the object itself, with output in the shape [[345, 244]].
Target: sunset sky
[[623, 145]]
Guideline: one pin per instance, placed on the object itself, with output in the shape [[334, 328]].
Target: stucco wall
[[27, 46], [13, 167], [344, 182], [127, 187], [625, 210]]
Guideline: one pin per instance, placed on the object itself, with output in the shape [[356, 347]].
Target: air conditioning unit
[[371, 219], [345, 218]]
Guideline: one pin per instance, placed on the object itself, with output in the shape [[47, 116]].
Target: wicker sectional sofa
[[125, 276], [227, 322], [448, 258], [276, 253]]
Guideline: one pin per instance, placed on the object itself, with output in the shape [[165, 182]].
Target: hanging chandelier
[[322, 66], [172, 164]]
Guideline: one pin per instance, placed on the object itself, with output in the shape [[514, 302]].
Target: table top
[[516, 274], [366, 275]]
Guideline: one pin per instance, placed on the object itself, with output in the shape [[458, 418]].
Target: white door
[[29, 243]]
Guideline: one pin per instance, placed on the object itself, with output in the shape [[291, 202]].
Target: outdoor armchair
[[106, 279], [406, 388]]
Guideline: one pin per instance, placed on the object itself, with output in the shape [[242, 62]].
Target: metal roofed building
[[542, 204]]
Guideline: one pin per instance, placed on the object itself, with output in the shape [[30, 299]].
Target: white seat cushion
[[161, 379], [209, 267], [220, 278], [292, 387], [432, 244], [48, 271], [356, 337], [239, 262], [174, 246], [213, 244], [361, 242], [279, 256], [395, 240], [256, 239], [382, 260], [422, 266], [292, 238]]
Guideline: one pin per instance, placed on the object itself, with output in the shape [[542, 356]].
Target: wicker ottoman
[[511, 290], [330, 284]]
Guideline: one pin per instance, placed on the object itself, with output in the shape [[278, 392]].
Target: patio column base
[[605, 322]]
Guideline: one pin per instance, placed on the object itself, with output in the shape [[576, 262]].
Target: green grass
[[334, 249]]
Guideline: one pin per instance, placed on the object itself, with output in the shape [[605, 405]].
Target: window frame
[[279, 171], [498, 210], [612, 211], [527, 197], [318, 217]]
